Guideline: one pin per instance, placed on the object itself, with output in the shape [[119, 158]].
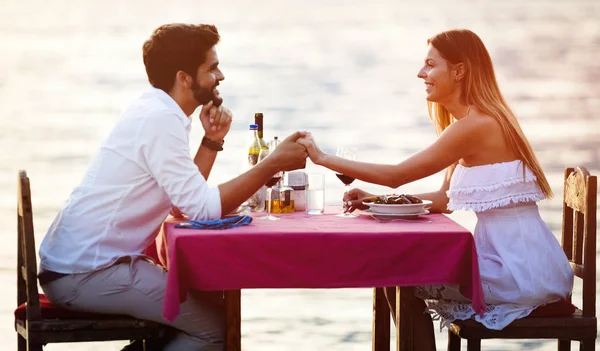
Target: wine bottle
[[256, 201], [259, 120], [254, 147]]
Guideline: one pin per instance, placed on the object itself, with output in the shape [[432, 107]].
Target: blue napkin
[[225, 223]]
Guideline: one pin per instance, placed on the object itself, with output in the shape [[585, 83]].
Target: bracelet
[[213, 145]]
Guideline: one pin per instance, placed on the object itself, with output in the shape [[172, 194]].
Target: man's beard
[[205, 95]]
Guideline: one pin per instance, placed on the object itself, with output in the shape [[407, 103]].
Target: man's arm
[[288, 156], [216, 122], [204, 160], [165, 154]]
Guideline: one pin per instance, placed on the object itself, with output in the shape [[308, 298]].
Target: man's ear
[[183, 79], [460, 71]]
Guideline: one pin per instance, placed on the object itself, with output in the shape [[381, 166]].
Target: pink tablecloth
[[303, 251]]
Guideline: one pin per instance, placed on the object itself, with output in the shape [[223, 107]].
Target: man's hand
[[216, 121], [354, 198], [289, 155]]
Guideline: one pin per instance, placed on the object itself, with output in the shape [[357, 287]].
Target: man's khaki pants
[[137, 288]]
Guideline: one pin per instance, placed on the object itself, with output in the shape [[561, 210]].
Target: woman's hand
[[354, 198], [315, 154]]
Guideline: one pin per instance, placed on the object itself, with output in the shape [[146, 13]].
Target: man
[[92, 256]]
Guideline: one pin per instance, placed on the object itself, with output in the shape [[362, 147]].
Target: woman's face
[[436, 73]]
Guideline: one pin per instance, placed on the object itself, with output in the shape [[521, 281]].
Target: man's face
[[204, 86]]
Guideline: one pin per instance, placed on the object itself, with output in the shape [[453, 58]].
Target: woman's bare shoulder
[[482, 120], [493, 143]]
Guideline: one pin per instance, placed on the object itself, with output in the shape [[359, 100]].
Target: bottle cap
[[254, 126]]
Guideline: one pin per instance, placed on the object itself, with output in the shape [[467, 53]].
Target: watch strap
[[213, 145]]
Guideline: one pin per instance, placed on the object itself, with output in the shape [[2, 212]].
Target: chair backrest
[[579, 231], [27, 289]]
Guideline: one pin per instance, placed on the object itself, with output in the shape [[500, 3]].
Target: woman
[[490, 169]]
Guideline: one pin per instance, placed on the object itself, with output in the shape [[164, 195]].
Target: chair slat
[[21, 287], [567, 221], [589, 276], [578, 225], [577, 269], [28, 248]]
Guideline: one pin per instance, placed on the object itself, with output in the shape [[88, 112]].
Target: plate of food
[[397, 204]]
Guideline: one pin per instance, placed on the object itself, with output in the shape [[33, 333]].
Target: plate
[[392, 216], [398, 208]]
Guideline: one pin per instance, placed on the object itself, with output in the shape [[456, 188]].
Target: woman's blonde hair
[[480, 89]]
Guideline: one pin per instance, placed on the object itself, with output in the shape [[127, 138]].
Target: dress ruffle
[[481, 188]]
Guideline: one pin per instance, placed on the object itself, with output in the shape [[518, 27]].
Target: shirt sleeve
[[163, 147]]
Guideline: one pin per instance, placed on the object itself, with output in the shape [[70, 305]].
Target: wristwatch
[[213, 145]]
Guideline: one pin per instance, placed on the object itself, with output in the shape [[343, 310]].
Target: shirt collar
[[172, 104]]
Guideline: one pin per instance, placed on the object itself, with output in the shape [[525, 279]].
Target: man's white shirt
[[141, 170]]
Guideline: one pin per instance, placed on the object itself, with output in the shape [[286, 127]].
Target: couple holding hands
[[92, 258]]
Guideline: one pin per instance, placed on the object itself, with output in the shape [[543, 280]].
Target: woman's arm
[[459, 140]]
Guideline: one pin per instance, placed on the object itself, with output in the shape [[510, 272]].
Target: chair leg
[[473, 344], [453, 341], [587, 345], [564, 345], [22, 343], [34, 347]]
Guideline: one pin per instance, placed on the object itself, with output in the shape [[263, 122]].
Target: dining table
[[322, 252]]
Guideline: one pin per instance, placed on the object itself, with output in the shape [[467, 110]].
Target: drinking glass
[[315, 194], [348, 153]]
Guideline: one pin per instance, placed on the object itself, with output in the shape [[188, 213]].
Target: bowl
[[399, 208]]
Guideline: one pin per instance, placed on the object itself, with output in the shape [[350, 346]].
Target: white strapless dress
[[521, 263]]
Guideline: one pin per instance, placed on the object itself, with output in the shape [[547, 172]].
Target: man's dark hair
[[177, 47]]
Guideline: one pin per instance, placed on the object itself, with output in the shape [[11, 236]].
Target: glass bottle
[[258, 120], [256, 201], [254, 146]]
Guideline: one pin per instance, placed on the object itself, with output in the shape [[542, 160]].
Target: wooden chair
[[38, 322], [579, 244]]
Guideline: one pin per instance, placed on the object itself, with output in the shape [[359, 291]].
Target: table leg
[[405, 298], [233, 320], [381, 321]]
